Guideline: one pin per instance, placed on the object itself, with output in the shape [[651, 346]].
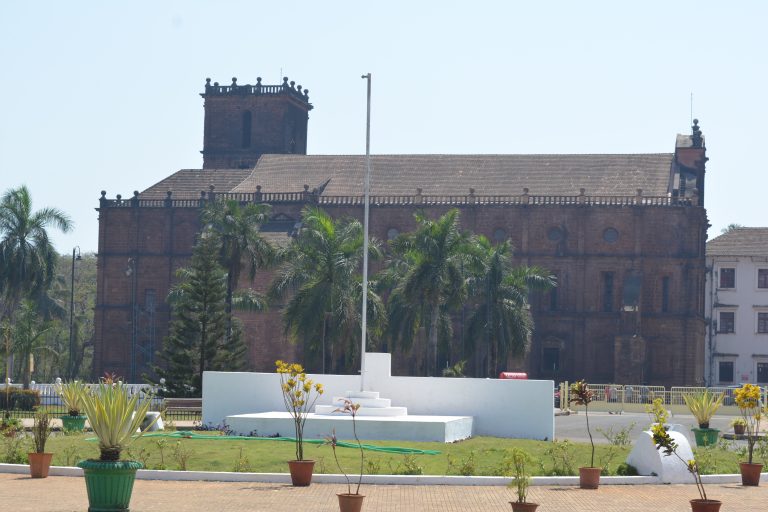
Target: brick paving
[[19, 493]]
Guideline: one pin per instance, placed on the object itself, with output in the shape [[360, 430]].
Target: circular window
[[392, 233], [555, 234], [499, 235], [610, 235]]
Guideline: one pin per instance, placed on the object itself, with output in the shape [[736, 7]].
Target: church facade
[[624, 234]]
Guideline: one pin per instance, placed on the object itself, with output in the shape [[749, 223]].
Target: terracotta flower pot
[[589, 478], [705, 505], [301, 472], [739, 429], [350, 502], [523, 507], [750, 473], [39, 464]]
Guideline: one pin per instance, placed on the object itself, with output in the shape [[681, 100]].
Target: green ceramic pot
[[109, 484], [706, 436], [73, 423]]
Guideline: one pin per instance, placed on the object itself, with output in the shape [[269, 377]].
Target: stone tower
[[243, 122]]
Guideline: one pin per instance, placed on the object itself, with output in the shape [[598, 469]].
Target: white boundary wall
[[502, 408]]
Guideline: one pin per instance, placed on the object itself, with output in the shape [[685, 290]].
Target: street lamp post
[[75, 257]]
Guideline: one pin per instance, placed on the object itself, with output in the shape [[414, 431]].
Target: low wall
[[501, 408]]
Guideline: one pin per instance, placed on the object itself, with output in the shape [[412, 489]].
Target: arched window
[[246, 129]]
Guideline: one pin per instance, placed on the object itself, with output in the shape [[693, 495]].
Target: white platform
[[371, 404], [444, 429]]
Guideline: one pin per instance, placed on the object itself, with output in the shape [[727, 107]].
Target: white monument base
[[371, 404], [443, 429], [650, 461]]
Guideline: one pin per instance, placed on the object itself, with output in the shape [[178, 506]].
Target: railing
[[258, 89], [393, 200], [51, 401], [617, 398]]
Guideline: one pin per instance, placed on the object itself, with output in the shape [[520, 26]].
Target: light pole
[[75, 257], [367, 193]]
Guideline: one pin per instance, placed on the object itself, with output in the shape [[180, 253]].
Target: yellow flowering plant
[[747, 398], [299, 395], [668, 446]]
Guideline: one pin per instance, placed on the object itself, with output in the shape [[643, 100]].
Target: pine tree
[[197, 341]]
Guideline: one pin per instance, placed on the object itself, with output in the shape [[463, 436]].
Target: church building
[[624, 234]]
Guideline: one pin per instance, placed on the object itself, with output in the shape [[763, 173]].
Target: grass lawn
[[477, 456]]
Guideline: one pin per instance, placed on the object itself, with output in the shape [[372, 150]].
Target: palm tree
[[426, 273], [28, 338], [501, 316], [27, 256], [237, 228], [321, 268]]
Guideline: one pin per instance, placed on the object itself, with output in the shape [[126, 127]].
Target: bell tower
[[243, 122]]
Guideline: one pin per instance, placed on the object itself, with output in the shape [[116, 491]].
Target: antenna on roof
[[691, 120]]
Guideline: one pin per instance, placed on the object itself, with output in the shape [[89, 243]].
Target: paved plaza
[[19, 493]]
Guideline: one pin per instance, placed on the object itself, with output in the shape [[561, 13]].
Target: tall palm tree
[[321, 271], [237, 228], [426, 272], [27, 256], [501, 317], [28, 340]]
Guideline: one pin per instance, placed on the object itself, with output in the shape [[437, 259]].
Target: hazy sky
[[104, 95]]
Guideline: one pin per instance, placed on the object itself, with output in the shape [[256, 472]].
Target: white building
[[737, 308]]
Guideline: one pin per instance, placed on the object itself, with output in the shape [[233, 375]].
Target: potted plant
[[349, 501], [703, 406], [72, 394], [580, 394], [664, 441], [115, 416], [9, 426], [739, 426], [747, 398], [39, 460], [299, 396], [521, 480]]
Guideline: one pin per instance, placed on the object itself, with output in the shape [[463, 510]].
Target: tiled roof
[[188, 183], [456, 174], [740, 242], [608, 175]]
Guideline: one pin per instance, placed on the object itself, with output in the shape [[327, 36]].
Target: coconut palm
[[27, 256], [237, 228], [426, 273], [28, 338], [501, 317], [321, 271]]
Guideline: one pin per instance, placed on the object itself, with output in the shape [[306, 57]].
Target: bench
[[184, 405]]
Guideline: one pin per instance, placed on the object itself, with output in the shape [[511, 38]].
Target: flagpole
[[365, 230]]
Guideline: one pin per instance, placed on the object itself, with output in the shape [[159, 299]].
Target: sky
[[105, 95]]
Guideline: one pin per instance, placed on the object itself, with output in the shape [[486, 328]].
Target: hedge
[[20, 399]]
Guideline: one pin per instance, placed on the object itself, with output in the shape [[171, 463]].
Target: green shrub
[[625, 469], [20, 399]]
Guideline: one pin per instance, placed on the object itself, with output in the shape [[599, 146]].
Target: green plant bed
[[73, 423], [109, 484], [705, 436]]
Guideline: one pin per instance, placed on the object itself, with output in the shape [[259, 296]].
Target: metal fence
[[617, 398], [51, 401]]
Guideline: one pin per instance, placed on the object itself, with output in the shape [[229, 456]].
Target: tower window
[[607, 292], [246, 129], [665, 294]]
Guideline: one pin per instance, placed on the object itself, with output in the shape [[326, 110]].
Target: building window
[[555, 234], [762, 373], [726, 371], [727, 278], [607, 291], [610, 235], [247, 129], [762, 323], [550, 360], [665, 294], [553, 298], [392, 233], [762, 278], [499, 235], [727, 322]]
